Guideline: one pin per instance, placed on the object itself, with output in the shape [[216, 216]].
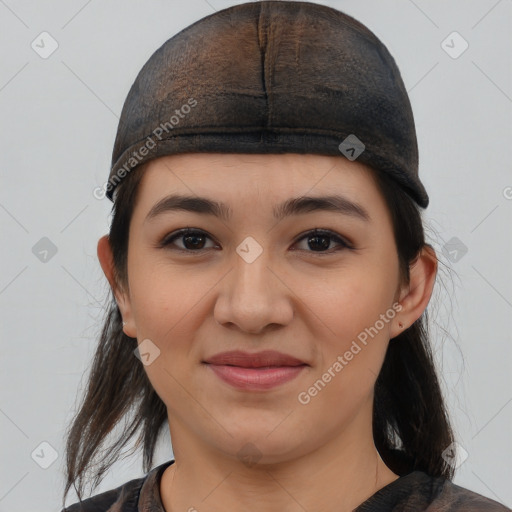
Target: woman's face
[[257, 279]]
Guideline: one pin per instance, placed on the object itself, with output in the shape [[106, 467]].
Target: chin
[[251, 447]]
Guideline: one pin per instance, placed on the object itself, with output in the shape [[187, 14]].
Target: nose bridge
[[251, 296], [251, 272]]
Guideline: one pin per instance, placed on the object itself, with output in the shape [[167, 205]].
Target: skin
[[304, 302]]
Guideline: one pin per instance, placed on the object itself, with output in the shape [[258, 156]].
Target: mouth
[[258, 371], [266, 358]]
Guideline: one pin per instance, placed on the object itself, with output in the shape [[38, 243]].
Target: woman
[[270, 279]]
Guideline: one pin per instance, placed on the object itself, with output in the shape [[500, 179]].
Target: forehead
[[260, 188], [277, 175]]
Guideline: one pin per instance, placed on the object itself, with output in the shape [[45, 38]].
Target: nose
[[253, 297]]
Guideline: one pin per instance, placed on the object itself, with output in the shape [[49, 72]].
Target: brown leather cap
[[272, 77]]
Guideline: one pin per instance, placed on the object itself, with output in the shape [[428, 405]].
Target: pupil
[[194, 239], [315, 239]]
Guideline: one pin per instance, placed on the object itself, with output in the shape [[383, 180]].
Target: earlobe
[[415, 298], [106, 260]]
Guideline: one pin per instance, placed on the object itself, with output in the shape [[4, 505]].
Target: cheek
[[350, 361], [348, 302], [171, 305], [168, 309], [356, 315], [163, 299]]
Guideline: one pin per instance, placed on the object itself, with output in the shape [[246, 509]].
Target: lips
[[267, 358], [260, 371]]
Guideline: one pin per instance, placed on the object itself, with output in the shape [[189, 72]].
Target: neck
[[338, 476]]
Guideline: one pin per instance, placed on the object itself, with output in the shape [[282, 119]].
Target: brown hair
[[411, 427]]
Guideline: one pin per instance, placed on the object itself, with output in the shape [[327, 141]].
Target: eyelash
[[167, 240]]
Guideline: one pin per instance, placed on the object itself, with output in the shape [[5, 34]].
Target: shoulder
[[140, 493], [125, 496], [420, 491], [455, 498]]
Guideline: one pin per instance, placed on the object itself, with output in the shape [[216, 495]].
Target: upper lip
[[254, 360]]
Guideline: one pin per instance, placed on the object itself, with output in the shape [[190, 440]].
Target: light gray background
[[59, 118]]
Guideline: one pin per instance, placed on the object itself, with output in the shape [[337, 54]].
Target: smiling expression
[[288, 253]]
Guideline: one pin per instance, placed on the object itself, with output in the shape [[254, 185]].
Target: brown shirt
[[413, 492]]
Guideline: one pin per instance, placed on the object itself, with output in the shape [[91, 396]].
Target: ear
[[415, 297], [122, 298]]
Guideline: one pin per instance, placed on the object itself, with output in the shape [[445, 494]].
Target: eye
[[320, 239], [193, 240]]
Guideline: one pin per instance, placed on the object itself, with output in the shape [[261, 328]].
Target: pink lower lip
[[256, 378]]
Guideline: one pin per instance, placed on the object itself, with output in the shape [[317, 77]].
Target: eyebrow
[[293, 206]]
